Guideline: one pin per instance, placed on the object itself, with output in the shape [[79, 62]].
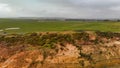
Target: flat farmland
[[28, 26]]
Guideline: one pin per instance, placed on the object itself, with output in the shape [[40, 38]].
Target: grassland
[[45, 26]]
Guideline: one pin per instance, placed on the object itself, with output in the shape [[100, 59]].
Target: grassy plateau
[[27, 26]]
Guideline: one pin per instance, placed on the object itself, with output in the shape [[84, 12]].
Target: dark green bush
[[87, 56], [108, 35]]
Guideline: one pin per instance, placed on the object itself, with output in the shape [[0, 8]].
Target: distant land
[[62, 19]]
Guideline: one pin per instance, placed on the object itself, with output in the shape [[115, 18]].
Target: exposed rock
[[23, 59], [69, 54], [85, 51]]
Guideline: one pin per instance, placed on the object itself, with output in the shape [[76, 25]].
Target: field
[[27, 26]]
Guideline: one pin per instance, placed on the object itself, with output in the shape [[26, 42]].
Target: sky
[[95, 9]]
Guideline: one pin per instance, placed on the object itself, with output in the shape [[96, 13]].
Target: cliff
[[60, 50]]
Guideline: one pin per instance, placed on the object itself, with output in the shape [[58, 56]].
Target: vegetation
[[49, 40], [28, 26], [50, 44]]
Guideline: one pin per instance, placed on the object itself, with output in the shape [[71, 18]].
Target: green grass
[[46, 26]]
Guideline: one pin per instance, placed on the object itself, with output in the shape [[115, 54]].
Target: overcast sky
[[60, 8]]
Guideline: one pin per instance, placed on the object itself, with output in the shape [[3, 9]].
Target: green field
[[27, 26]]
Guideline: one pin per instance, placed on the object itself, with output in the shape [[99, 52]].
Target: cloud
[[4, 8], [61, 8], [116, 8]]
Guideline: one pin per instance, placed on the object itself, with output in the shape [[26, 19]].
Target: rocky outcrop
[[66, 54], [96, 53], [27, 59]]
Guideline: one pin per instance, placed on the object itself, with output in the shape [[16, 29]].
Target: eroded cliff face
[[75, 50]]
